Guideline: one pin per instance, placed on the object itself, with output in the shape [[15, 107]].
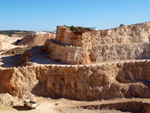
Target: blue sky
[[47, 14]]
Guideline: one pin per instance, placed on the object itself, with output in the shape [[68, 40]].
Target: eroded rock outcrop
[[122, 35], [87, 82], [78, 82], [122, 43], [66, 54]]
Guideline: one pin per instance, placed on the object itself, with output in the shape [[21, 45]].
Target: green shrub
[[75, 29], [72, 28], [121, 25]]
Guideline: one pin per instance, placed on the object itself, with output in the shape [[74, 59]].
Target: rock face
[[36, 39], [79, 82], [66, 54], [87, 82], [65, 36], [122, 35], [122, 43], [17, 83]]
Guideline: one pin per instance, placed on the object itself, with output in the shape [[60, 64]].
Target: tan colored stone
[[36, 39], [81, 83], [122, 43]]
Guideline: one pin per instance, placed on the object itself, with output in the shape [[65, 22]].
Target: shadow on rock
[[39, 57], [135, 76], [9, 61], [41, 90]]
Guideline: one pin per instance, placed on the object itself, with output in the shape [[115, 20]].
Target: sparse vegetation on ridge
[[121, 25], [74, 29]]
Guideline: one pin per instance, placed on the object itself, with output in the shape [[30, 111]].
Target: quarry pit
[[84, 68]]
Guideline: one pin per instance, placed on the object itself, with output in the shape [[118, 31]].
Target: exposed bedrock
[[101, 53], [122, 35], [122, 43], [78, 82]]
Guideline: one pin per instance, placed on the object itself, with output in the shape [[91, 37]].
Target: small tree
[[121, 25]]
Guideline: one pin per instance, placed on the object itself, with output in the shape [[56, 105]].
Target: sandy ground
[[9, 43], [47, 105], [6, 60]]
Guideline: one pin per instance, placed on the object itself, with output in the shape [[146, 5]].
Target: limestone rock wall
[[17, 81], [67, 37], [136, 33], [83, 82], [116, 52], [98, 53], [122, 43], [67, 54]]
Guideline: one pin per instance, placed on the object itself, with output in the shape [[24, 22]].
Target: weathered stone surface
[[101, 53], [87, 82], [122, 35], [122, 43], [81, 83], [67, 54], [67, 37]]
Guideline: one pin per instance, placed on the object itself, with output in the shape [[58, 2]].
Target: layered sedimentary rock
[[91, 82], [66, 54], [87, 82], [101, 53], [36, 39], [122, 35], [122, 43]]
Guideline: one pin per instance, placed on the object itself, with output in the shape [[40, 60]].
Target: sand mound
[[7, 42], [36, 38], [3, 37]]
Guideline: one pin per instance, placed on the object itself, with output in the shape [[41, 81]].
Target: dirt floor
[[47, 105], [9, 43], [6, 60]]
